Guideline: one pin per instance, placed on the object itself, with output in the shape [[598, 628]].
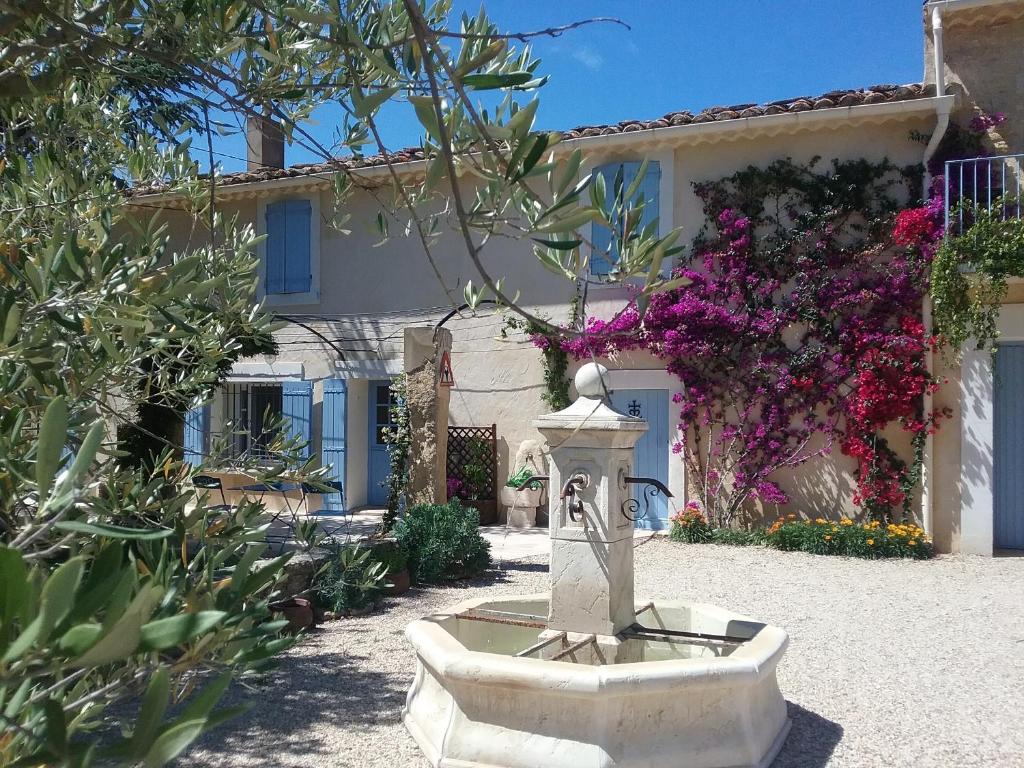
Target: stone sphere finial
[[589, 380]]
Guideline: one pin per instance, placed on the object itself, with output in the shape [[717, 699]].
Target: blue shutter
[[333, 433], [1008, 448], [275, 247], [296, 406], [649, 189], [67, 455], [197, 427], [297, 277], [601, 236]]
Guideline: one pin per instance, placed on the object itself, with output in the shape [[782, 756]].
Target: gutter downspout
[[942, 113]]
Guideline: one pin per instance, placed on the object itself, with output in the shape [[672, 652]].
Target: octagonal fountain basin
[[670, 700]]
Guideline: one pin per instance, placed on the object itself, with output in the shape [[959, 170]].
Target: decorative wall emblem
[[634, 409]]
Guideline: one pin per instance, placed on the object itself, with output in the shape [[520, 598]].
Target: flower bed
[[872, 540]]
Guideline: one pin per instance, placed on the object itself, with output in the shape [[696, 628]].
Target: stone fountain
[[589, 675]]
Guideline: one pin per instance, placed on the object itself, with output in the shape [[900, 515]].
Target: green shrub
[[390, 554], [738, 538], [692, 527], [442, 542], [352, 581]]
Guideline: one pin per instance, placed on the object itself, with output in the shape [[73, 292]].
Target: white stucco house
[[348, 299]]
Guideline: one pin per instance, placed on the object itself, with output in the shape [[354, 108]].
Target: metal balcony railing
[[982, 183]]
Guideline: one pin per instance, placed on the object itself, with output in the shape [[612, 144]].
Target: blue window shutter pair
[[297, 407], [197, 430], [288, 264], [605, 255], [333, 434]]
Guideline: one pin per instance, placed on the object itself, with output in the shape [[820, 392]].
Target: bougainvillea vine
[[800, 330]]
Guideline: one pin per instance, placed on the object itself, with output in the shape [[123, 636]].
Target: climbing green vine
[[969, 277], [398, 438]]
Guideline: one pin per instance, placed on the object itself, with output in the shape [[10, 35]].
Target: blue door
[[379, 463], [650, 457], [1008, 438]]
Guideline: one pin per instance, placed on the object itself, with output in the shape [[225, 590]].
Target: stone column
[[591, 539], [428, 413]]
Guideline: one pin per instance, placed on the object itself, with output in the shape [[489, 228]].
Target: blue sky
[[682, 54]]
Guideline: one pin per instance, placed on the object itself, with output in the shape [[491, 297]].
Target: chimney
[[265, 143]]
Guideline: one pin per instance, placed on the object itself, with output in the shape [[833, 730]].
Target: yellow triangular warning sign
[[445, 376]]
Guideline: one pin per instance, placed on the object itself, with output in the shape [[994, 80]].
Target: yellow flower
[[828, 538], [871, 542], [912, 542], [821, 521], [846, 521]]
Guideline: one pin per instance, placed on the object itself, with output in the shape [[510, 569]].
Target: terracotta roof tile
[[876, 94]]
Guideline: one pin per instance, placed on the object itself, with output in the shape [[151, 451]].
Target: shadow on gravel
[[497, 574], [291, 701], [516, 566], [811, 740]]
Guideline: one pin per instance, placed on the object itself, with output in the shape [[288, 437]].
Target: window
[[287, 248], [382, 406], [605, 254], [249, 412]]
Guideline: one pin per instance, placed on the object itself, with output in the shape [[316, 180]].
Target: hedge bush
[[873, 540], [442, 542]]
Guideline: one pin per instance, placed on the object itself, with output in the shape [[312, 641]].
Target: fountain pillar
[[591, 449]]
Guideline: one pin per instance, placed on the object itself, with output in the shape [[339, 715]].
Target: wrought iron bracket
[[652, 487], [574, 505]]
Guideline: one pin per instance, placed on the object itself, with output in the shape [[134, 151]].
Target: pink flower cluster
[[983, 122]]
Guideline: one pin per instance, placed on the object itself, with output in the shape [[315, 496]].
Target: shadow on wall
[[811, 740], [817, 488]]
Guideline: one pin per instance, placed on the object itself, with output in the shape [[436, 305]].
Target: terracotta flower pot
[[298, 611], [400, 583]]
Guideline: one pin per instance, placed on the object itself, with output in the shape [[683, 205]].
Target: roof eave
[[733, 129], [739, 128]]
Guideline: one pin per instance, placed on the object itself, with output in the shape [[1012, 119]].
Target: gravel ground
[[891, 663]]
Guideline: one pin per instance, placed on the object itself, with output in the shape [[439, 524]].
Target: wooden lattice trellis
[[472, 462]]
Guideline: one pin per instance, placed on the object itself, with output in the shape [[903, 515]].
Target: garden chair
[[213, 483], [317, 514]]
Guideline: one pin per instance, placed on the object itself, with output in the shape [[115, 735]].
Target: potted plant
[[388, 553], [522, 504]]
